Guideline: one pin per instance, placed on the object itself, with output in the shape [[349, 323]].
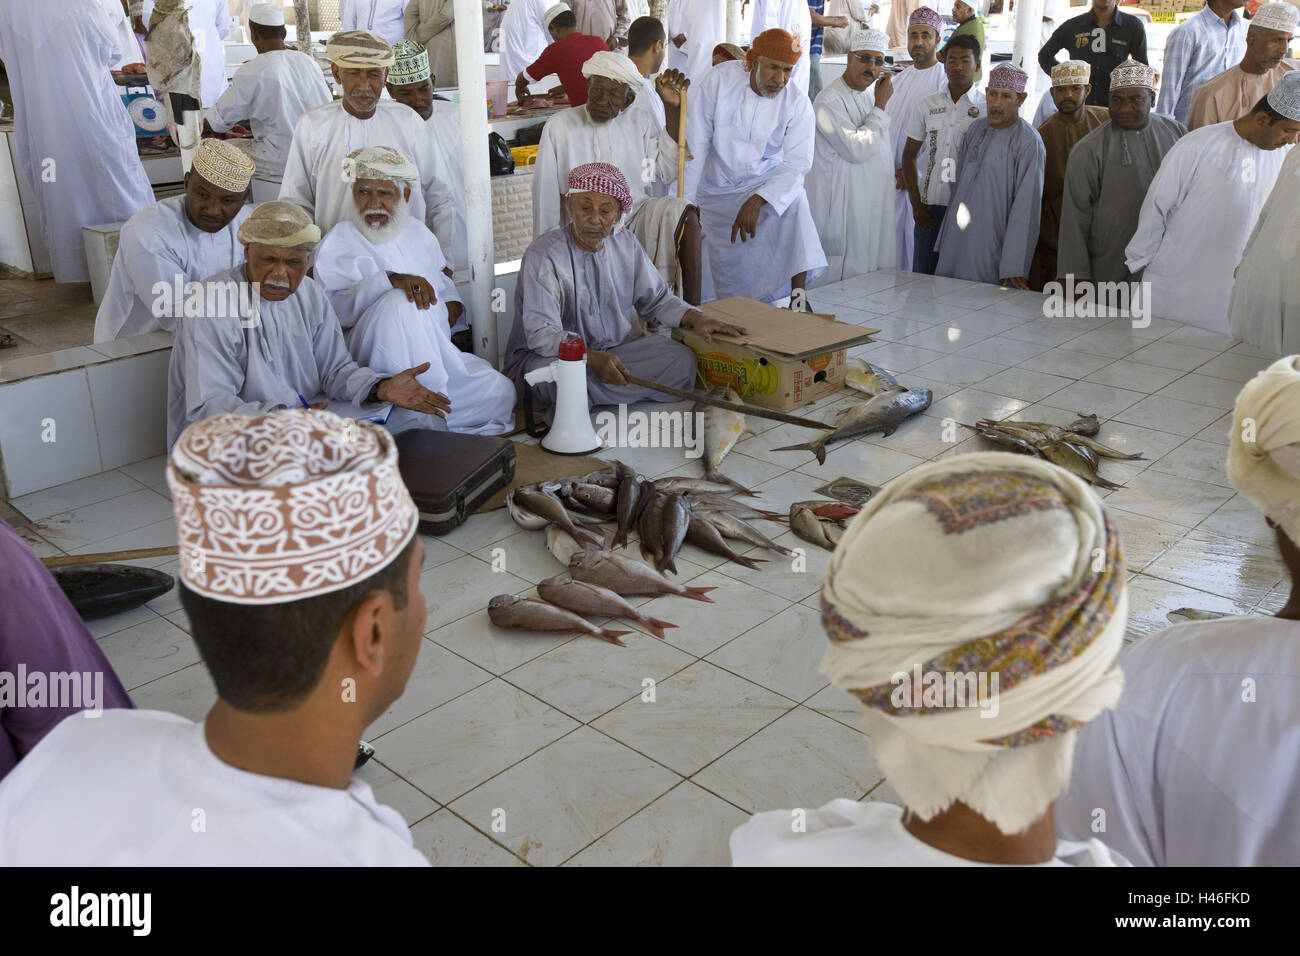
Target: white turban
[[615, 66], [1264, 445], [861, 40], [988, 564]]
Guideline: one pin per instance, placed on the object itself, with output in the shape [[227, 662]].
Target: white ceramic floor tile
[[1105, 401], [148, 650], [1137, 440], [838, 705], [1197, 459], [1238, 570], [188, 692], [1112, 343], [436, 552], [687, 826], [1203, 390], [1134, 376], [481, 530], [1000, 350], [793, 577], [971, 404], [1150, 600], [1169, 415], [1238, 518], [1235, 366], [495, 649], [1169, 355], [523, 555], [1024, 384], [781, 654], [1177, 500], [392, 791], [703, 626], [454, 748], [901, 358], [1066, 362], [1217, 431], [586, 678], [76, 494], [959, 370], [1044, 333], [464, 586], [698, 715], [104, 626], [438, 676], [563, 798], [448, 840], [73, 530], [1143, 539], [820, 759], [1199, 338], [944, 338]]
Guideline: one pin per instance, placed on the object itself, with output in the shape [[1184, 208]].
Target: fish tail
[[720, 477], [751, 563], [806, 446], [613, 636], [819, 449], [655, 626], [700, 594], [771, 515], [1105, 483]]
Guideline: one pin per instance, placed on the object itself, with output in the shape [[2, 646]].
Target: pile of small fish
[[665, 513], [889, 405], [821, 522], [1071, 446]]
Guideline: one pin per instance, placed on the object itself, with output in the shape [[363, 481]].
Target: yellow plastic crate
[[524, 155]]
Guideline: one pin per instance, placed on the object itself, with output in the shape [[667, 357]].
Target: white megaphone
[[571, 432]]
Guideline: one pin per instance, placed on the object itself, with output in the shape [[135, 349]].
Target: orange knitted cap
[[775, 45]]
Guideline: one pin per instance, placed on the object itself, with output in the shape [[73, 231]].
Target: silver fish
[[596, 498], [704, 535], [628, 577], [606, 479], [1004, 439], [713, 503], [583, 597], [1183, 614], [811, 528], [730, 526], [1072, 460], [722, 429], [625, 508], [674, 522], [1105, 451], [522, 516], [548, 506], [650, 528], [563, 545], [715, 485], [862, 376], [510, 610], [884, 413]]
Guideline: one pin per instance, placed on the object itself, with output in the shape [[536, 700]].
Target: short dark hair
[[268, 657], [644, 33], [266, 32], [963, 41], [565, 19], [1263, 106]]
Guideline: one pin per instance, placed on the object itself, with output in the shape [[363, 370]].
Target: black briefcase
[[449, 476]]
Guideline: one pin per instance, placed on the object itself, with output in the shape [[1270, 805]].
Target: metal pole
[[1029, 27], [733, 21], [472, 72]]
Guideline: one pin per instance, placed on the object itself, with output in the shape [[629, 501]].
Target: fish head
[[503, 600], [554, 581], [582, 559]]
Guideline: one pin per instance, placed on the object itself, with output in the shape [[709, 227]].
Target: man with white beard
[[383, 273], [270, 340], [325, 135]]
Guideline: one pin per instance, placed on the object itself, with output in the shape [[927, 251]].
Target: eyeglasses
[[868, 58]]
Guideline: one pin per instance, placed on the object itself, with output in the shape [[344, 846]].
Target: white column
[[472, 73], [733, 21], [1029, 28]]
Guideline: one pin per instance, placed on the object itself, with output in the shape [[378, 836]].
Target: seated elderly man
[[1199, 765], [269, 339], [299, 574], [588, 279], [177, 240], [325, 135], [383, 272], [605, 130], [976, 607], [754, 134]]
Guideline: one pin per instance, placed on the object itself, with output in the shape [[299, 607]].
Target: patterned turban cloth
[[285, 506], [601, 178], [1004, 76], [976, 607], [776, 45], [280, 224], [410, 64], [358, 50], [926, 17]]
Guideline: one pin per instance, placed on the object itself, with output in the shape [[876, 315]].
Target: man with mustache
[[1107, 176], [606, 129], [925, 77], [276, 342], [1198, 49], [991, 227], [1198, 214], [794, 16], [325, 135], [187, 237], [383, 272], [850, 189], [1060, 132], [587, 278], [753, 131], [1234, 91]]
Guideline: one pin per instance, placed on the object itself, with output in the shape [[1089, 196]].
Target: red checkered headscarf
[[601, 178]]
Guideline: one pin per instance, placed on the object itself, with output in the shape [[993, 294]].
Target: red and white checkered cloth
[[601, 178]]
